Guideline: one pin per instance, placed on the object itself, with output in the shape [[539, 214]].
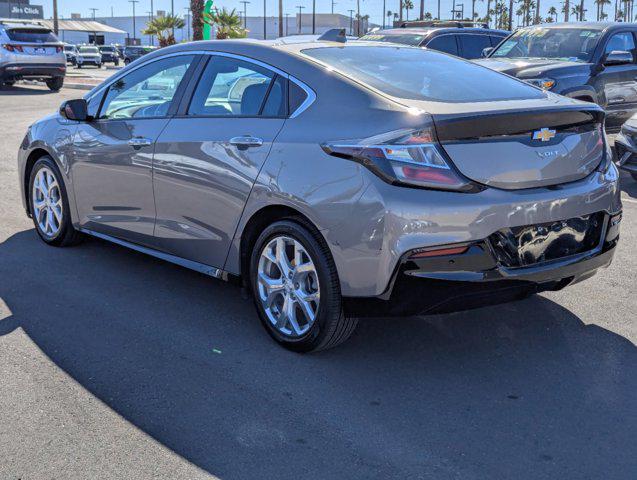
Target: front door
[[207, 160], [112, 164], [618, 83]]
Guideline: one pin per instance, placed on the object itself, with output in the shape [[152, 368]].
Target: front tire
[[296, 288], [49, 205]]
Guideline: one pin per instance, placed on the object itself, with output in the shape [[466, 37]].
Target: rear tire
[[314, 318], [126, 61], [55, 84], [49, 205]]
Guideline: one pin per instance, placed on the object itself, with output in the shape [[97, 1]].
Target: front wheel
[[296, 288], [49, 204]]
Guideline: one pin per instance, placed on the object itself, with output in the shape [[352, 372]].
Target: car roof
[[584, 25], [429, 30]]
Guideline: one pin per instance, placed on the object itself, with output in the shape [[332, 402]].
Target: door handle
[[139, 142], [246, 141]]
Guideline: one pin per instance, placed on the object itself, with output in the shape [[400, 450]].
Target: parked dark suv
[[109, 54], [462, 39], [133, 53], [591, 61]]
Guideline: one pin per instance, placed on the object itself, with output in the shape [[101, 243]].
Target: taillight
[[12, 48], [411, 158]]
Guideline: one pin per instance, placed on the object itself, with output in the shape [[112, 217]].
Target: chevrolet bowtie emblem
[[543, 134]]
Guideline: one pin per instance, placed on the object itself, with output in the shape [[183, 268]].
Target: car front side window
[[146, 92], [623, 42]]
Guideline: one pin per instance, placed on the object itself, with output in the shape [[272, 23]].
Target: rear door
[[207, 159], [112, 162]]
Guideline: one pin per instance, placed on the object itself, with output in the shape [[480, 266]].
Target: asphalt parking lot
[[118, 365]]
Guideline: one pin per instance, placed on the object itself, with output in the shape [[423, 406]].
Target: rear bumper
[[32, 70], [475, 278]]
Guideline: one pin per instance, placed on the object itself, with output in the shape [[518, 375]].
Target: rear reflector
[[439, 252]]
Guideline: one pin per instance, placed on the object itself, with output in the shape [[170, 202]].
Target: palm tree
[[422, 10], [518, 13], [163, 27], [473, 9], [408, 6], [196, 11], [537, 13], [400, 13], [428, 16], [566, 9], [577, 11], [548, 19], [553, 12], [227, 23], [390, 14]]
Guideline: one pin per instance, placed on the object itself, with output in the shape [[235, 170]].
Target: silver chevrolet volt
[[333, 179]]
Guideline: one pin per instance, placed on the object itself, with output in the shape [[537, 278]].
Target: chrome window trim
[[310, 99]]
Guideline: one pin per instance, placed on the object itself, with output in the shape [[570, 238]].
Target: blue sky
[[374, 8]]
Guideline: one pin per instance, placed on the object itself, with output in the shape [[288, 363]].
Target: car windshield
[[572, 44], [417, 74], [31, 35], [107, 49], [412, 39], [89, 50], [69, 48]]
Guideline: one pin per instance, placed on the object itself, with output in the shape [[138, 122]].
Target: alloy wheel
[[288, 286], [47, 202]]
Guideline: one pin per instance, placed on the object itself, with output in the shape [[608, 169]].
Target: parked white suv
[[88, 55], [29, 50]]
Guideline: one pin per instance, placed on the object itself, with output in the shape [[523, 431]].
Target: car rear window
[[412, 39], [31, 35], [417, 74]]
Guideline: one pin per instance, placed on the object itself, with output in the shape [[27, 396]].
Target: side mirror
[[486, 52], [618, 57], [75, 110]]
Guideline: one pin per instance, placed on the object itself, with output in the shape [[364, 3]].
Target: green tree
[[163, 27], [226, 22], [553, 13], [409, 5]]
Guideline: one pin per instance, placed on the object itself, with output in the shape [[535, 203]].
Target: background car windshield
[[403, 38], [31, 35], [107, 49], [413, 73], [574, 44], [89, 50]]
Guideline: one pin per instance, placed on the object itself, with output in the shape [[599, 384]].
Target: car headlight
[[543, 83]]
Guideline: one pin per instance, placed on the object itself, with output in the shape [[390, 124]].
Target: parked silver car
[[30, 51], [336, 180], [88, 55]]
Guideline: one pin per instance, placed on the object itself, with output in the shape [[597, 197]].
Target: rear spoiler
[[465, 126]]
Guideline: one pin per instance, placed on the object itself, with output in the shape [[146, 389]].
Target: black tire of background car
[[331, 326], [55, 84], [67, 236]]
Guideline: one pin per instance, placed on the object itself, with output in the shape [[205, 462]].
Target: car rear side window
[[233, 87], [419, 74], [296, 97], [444, 43], [471, 46], [31, 35]]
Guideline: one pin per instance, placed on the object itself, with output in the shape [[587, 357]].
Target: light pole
[[172, 13], [245, 14], [313, 17], [358, 18], [55, 16], [351, 21], [287, 16], [188, 20], [300, 7], [152, 17], [93, 10], [280, 18], [264, 21], [334, 3], [134, 26], [384, 14]]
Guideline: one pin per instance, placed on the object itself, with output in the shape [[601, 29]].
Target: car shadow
[[628, 184], [24, 89], [523, 390]]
